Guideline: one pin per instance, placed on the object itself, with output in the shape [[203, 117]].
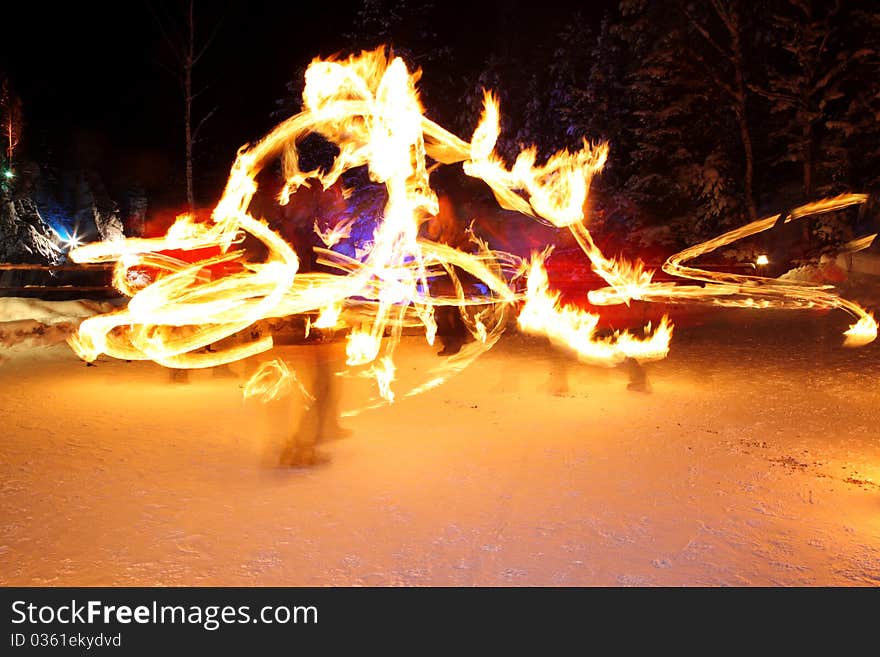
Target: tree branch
[[177, 48], [170, 71], [210, 39], [207, 116], [791, 101], [712, 73], [726, 17], [706, 35]]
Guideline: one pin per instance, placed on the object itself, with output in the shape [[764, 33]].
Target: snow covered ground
[[753, 460]]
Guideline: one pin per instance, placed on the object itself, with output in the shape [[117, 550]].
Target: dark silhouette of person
[[638, 377], [784, 243], [445, 228], [320, 421]]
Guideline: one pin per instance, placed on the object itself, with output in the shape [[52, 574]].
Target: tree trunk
[[740, 108], [10, 149], [187, 96], [190, 197], [807, 155], [748, 183]]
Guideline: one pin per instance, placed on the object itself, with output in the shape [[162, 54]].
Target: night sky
[[90, 77], [92, 72]]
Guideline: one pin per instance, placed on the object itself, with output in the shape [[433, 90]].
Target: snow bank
[[27, 323], [50, 312]]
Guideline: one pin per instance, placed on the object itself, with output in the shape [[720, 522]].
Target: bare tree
[[179, 33], [10, 111]]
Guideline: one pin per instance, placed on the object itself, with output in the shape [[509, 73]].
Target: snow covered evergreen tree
[[676, 151], [853, 128], [815, 60]]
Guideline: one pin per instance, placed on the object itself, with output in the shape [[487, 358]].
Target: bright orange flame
[[368, 106], [862, 332], [329, 317], [573, 328]]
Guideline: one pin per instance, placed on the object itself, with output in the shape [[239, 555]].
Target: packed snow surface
[[754, 460]]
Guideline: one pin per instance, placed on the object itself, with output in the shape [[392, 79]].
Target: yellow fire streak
[[273, 379], [573, 328], [740, 290], [368, 106]]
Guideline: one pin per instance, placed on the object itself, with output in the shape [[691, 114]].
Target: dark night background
[[92, 72], [691, 152], [91, 75]]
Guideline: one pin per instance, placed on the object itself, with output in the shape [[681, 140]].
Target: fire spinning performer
[[320, 421], [368, 106], [446, 228], [783, 243]]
